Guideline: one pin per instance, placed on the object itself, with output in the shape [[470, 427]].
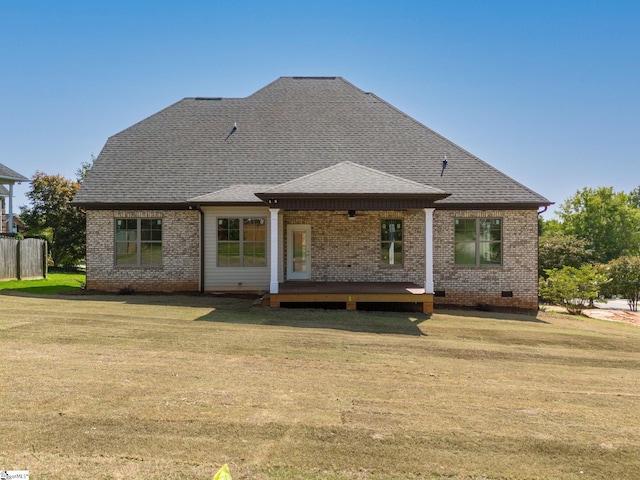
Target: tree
[[557, 250], [51, 212], [84, 169], [605, 219], [549, 226], [634, 197], [625, 279], [573, 288]]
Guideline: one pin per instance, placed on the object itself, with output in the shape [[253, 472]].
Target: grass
[[54, 283], [172, 387]]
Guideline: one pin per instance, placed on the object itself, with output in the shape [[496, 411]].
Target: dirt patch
[[624, 316], [609, 314]]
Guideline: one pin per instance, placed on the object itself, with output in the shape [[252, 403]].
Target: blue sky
[[546, 91]]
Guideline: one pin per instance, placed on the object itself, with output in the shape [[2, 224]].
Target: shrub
[[573, 288]]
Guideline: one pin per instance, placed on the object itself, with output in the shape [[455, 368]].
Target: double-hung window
[[242, 242], [391, 242], [138, 241], [478, 241]]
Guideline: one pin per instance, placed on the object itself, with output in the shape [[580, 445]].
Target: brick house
[[310, 189]]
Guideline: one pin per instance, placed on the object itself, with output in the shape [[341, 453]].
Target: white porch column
[[428, 250], [11, 208], [273, 285]]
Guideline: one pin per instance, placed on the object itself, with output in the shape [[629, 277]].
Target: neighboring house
[[4, 193], [9, 178], [18, 225], [312, 190]]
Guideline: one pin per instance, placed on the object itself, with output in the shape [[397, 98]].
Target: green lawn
[[172, 387], [54, 283]]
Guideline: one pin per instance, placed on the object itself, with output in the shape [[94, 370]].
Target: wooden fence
[[22, 259]]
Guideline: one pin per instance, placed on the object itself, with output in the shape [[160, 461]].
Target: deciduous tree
[[557, 250], [51, 211], [606, 219], [625, 279], [634, 197]]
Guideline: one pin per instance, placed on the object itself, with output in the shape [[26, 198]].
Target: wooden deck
[[351, 293]]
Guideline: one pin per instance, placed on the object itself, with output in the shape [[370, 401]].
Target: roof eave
[[224, 204], [266, 196], [132, 205], [7, 179], [493, 206]]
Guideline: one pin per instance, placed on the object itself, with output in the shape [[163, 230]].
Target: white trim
[[291, 273], [11, 208], [428, 250], [273, 283], [281, 241]]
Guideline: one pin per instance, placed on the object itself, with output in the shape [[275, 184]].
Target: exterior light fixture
[[352, 214]]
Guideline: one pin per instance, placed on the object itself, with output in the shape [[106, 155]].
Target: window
[[138, 241], [242, 242], [478, 241], [391, 242]]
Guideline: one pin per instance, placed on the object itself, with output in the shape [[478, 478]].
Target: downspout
[[201, 248], [540, 212]]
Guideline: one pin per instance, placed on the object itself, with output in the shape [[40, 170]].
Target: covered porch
[[342, 234], [352, 293]]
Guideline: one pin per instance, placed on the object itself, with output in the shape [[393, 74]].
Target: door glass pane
[[300, 251]]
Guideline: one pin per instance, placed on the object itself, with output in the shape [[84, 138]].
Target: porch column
[[273, 285], [11, 208], [428, 250]]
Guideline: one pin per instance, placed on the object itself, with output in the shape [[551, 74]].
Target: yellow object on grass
[[223, 473]]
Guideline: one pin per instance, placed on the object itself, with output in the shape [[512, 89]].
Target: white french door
[[299, 252]]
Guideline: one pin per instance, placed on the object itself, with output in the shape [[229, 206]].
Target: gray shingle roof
[[4, 192], [288, 129], [350, 178], [8, 175], [233, 194]]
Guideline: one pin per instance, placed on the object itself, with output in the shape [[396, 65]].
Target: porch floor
[[351, 293]]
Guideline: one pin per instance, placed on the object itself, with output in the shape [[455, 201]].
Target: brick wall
[[180, 269], [473, 286], [341, 250], [344, 250]]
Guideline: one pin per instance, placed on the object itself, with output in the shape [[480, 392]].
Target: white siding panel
[[231, 278]]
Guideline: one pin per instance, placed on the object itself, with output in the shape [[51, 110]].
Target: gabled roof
[[284, 131], [348, 178], [351, 186], [10, 176]]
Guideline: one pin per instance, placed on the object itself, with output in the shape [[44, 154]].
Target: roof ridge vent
[[208, 98]]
